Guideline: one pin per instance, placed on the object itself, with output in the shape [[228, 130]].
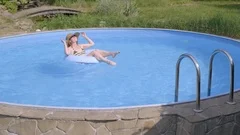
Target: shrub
[[10, 5], [119, 7], [13, 5]]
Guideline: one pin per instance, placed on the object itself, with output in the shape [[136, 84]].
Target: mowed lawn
[[216, 17]]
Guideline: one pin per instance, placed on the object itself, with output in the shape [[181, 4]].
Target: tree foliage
[[15, 5]]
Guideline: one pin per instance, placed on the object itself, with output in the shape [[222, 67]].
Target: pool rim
[[118, 28], [116, 108], [121, 107]]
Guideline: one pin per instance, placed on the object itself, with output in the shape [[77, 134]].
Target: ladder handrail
[[231, 73], [198, 79]]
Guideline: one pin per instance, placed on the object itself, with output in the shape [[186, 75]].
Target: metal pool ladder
[[198, 88], [231, 74], [198, 79]]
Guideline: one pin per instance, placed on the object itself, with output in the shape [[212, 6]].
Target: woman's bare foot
[[114, 54], [112, 63]]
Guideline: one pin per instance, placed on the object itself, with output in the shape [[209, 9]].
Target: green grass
[[215, 17]]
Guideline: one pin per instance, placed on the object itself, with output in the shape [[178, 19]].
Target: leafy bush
[[2, 2], [12, 5], [23, 1], [120, 7]]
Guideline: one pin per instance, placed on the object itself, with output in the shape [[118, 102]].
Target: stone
[[181, 131], [44, 29], [35, 113], [212, 123], [236, 108], [149, 112], [226, 119], [168, 110], [209, 103], [11, 110], [227, 109], [199, 129], [236, 97], [170, 133], [4, 122], [102, 130], [134, 131], [23, 127], [221, 99], [100, 116], [46, 125], [184, 112], [222, 129], [152, 131], [186, 105], [118, 125], [24, 24], [67, 115], [146, 123], [4, 12], [81, 128], [165, 123], [38, 132], [173, 128], [237, 118], [38, 30], [5, 132], [180, 120], [236, 130], [187, 126], [127, 114], [2, 8], [54, 132], [196, 118], [64, 125], [96, 124]]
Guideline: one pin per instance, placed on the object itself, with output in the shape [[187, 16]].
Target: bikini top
[[77, 52]]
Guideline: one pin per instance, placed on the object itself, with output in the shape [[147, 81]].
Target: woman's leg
[[106, 53], [99, 57]]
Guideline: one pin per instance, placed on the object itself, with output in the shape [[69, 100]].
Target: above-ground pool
[[34, 69]]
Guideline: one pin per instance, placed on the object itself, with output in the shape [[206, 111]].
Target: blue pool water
[[34, 71]]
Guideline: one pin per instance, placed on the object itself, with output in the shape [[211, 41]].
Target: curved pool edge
[[175, 119], [52, 112], [113, 108], [120, 28]]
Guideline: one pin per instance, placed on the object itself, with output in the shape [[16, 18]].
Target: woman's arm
[[90, 42], [66, 50]]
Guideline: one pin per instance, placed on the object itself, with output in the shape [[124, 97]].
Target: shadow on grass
[[229, 6]]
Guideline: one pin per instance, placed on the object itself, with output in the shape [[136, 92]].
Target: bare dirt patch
[[9, 26]]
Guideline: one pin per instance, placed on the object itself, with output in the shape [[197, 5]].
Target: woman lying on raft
[[72, 47]]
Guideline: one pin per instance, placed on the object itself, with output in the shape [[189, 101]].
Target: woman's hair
[[69, 43], [69, 36]]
